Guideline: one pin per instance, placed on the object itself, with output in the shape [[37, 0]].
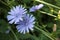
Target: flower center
[[26, 22]]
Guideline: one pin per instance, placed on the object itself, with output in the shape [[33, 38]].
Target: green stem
[[33, 36], [5, 3], [47, 13], [48, 4], [46, 34], [13, 33], [42, 27]]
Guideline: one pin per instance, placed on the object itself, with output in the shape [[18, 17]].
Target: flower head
[[16, 14], [26, 24], [37, 7]]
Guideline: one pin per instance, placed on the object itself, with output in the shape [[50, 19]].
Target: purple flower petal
[[27, 23], [16, 14], [37, 7]]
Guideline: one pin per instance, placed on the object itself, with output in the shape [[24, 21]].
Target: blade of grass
[[48, 13], [48, 4], [13, 33], [5, 3], [46, 34]]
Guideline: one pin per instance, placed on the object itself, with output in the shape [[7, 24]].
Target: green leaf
[[3, 26], [43, 37]]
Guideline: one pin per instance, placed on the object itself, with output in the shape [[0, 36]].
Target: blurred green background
[[47, 26]]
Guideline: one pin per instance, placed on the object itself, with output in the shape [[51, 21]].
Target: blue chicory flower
[[37, 7], [26, 25], [16, 14]]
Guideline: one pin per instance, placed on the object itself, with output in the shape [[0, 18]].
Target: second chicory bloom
[[26, 24], [37, 7]]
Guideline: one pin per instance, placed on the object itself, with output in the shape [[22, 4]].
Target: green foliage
[[3, 26], [45, 20]]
